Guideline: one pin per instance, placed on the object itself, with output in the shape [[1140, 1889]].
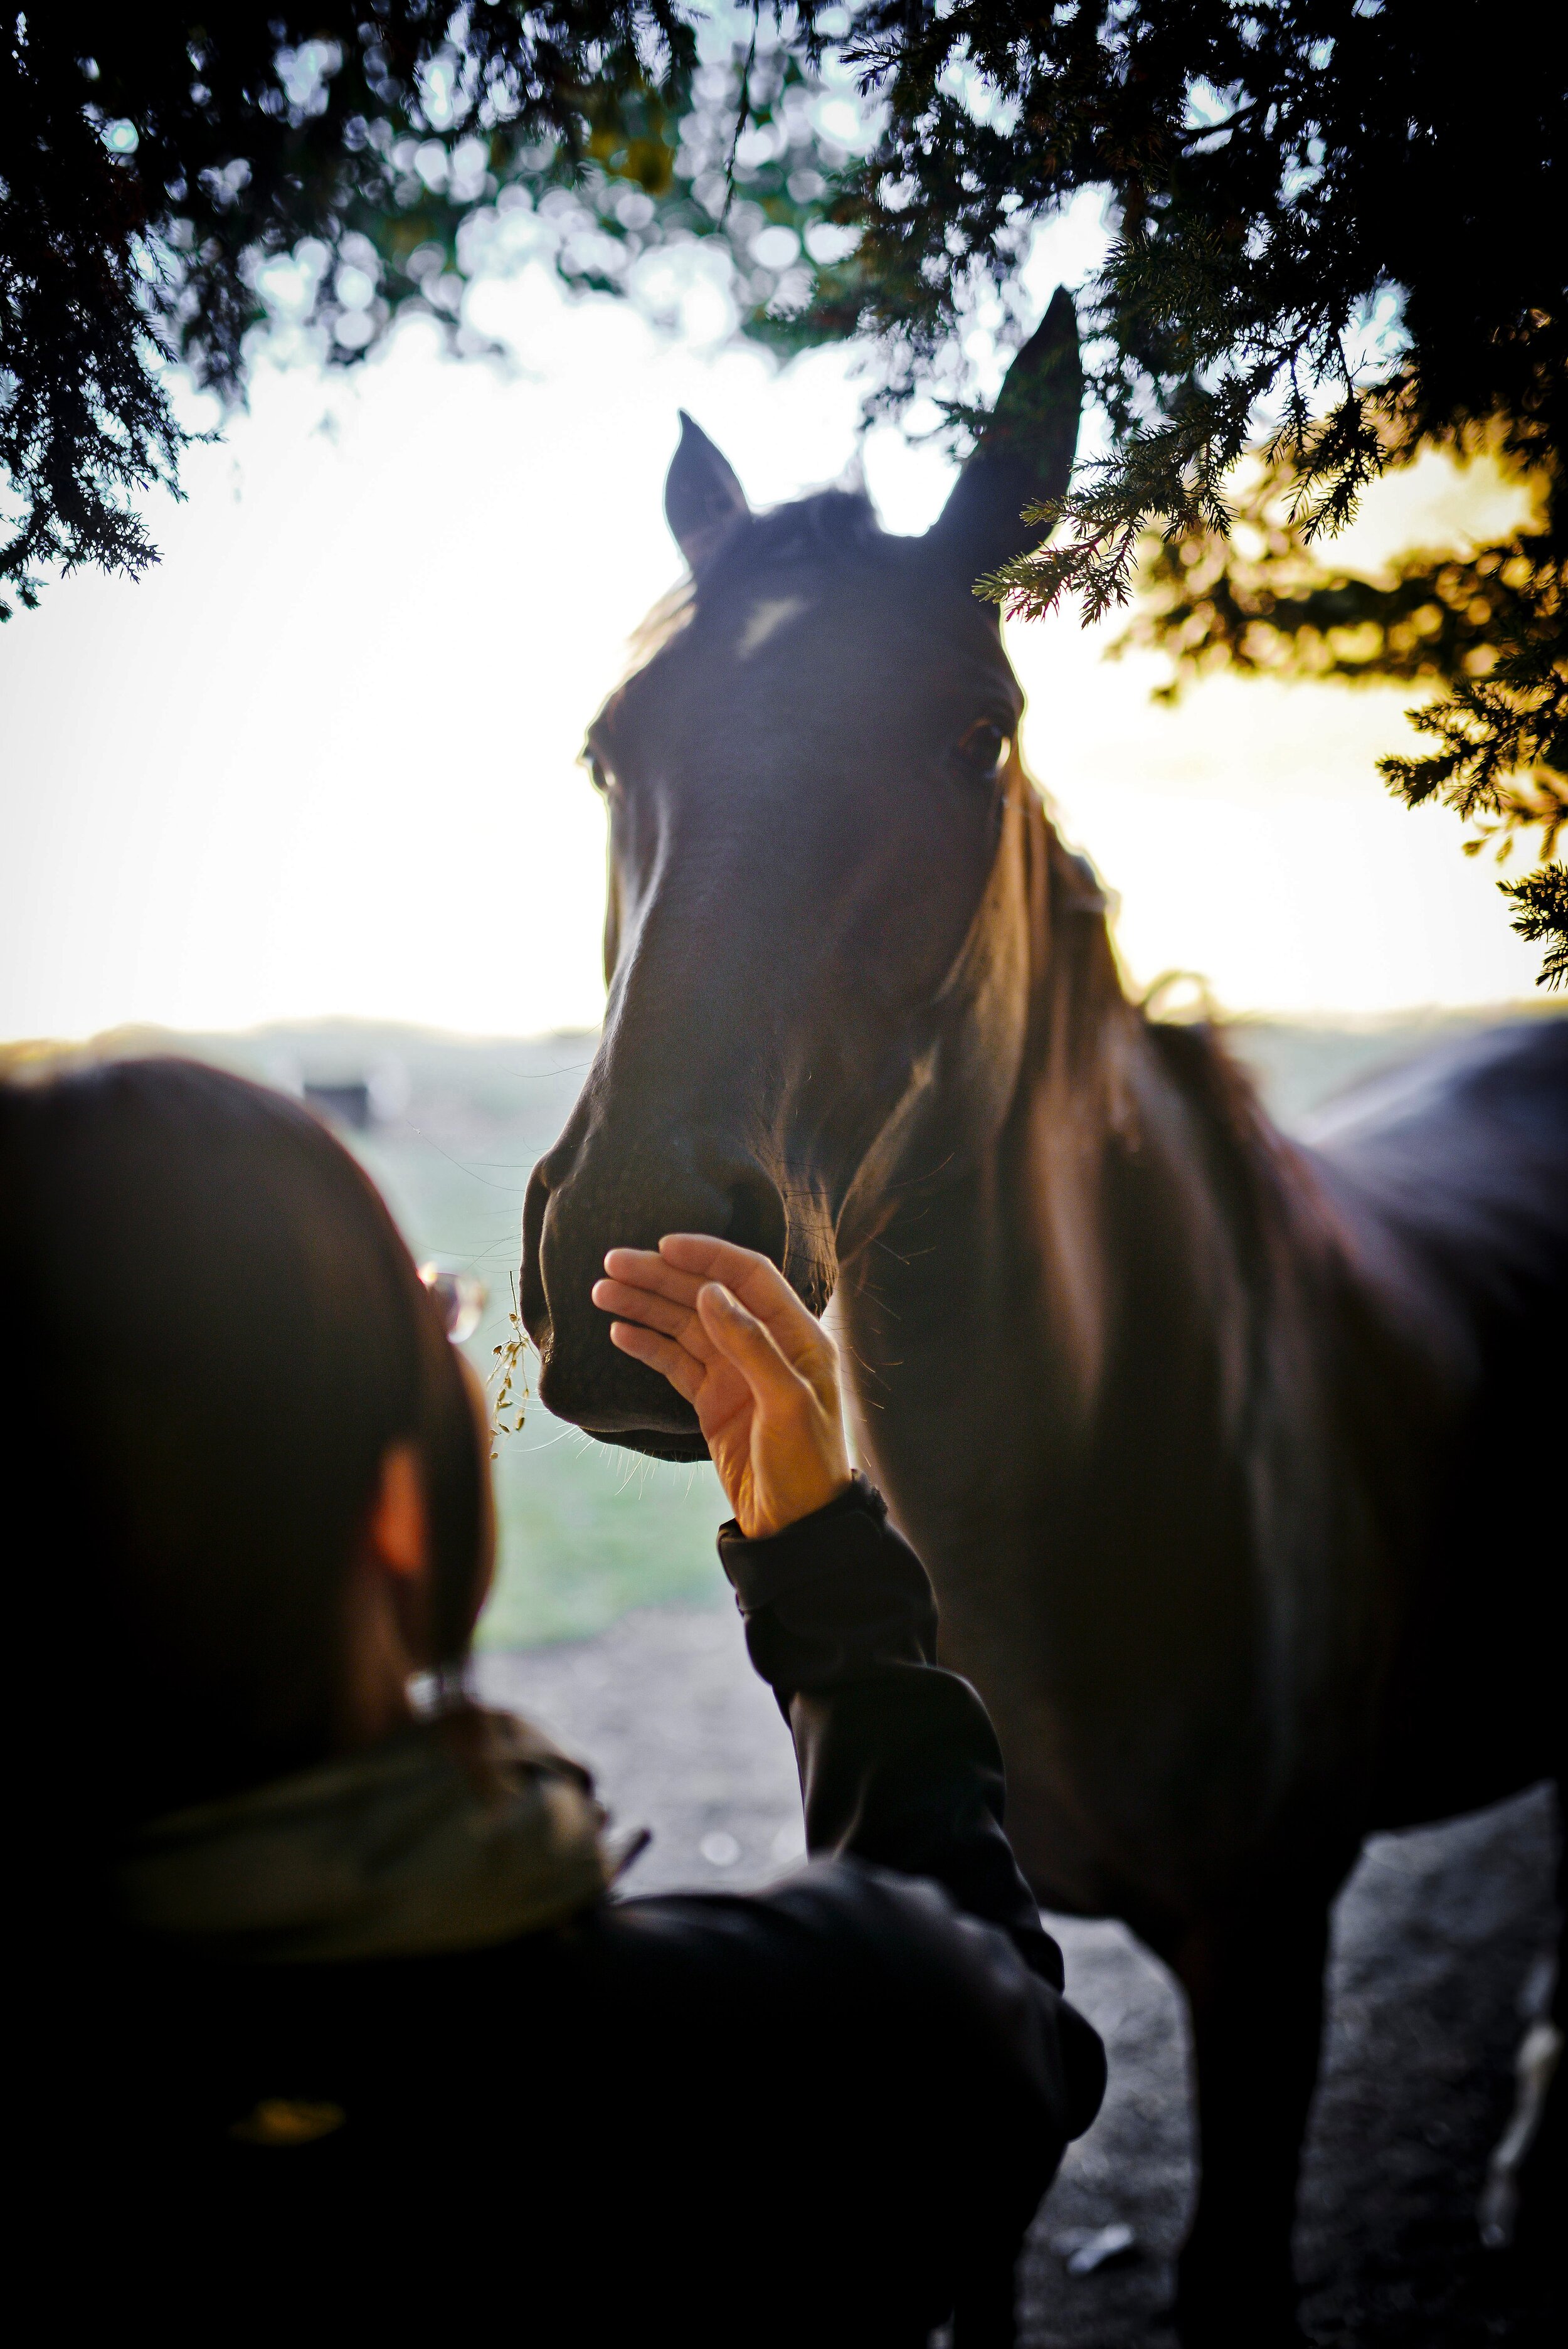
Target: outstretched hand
[[729, 1333]]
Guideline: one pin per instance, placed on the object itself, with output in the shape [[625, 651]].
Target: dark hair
[[219, 1333]]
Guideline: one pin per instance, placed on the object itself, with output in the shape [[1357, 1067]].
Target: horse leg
[[1254, 1978]]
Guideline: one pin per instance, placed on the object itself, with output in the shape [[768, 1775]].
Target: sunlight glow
[[322, 760]]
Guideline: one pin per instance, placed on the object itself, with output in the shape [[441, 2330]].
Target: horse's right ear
[[1025, 453], [703, 500]]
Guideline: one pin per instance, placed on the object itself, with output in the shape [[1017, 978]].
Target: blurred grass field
[[585, 1531]]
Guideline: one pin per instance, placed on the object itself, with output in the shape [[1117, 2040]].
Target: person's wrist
[[803, 1503]]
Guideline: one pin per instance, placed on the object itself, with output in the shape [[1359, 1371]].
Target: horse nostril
[[756, 1218]]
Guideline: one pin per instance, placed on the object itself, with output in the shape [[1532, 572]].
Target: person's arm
[[956, 2067], [898, 1763]]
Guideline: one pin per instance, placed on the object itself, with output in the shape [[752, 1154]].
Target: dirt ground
[[1434, 1938]]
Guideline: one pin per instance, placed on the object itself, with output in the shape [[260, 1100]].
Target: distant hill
[[425, 1077]]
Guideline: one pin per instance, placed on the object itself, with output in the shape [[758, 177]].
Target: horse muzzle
[[629, 1191]]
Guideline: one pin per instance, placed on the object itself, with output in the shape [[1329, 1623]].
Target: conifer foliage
[[1338, 243], [155, 161]]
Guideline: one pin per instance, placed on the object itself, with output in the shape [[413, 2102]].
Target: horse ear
[[703, 500], [1025, 453]]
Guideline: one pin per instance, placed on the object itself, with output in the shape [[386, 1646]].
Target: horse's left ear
[[1025, 451], [703, 499]]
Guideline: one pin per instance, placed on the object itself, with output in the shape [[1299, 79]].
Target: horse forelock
[[763, 552], [659, 625], [820, 529]]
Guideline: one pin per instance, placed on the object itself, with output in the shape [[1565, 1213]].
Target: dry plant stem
[[512, 1392]]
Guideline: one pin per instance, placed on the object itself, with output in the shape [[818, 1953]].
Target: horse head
[[826, 874]]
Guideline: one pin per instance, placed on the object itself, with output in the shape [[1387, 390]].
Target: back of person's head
[[216, 1337]]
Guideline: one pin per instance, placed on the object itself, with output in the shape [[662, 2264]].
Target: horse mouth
[[658, 1444], [668, 1430]]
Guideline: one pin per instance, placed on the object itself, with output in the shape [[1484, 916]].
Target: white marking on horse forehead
[[774, 612]]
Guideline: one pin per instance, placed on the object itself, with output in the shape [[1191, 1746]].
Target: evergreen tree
[[154, 160], [1338, 243]]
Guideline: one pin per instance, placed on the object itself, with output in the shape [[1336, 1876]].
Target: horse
[[1225, 1451]]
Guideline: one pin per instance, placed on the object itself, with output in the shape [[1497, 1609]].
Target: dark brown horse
[[1222, 1452]]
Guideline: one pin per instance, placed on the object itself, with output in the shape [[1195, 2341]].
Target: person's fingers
[[645, 1268], [744, 1340], [755, 1280], [684, 1371], [632, 1304], [709, 1258]]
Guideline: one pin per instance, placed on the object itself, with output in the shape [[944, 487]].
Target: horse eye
[[983, 747], [603, 781]]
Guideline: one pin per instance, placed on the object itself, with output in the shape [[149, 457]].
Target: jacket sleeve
[[894, 2008], [899, 1762]]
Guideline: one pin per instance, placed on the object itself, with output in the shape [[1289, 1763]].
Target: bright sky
[[321, 761]]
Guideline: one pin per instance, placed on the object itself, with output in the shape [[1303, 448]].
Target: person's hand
[[729, 1333]]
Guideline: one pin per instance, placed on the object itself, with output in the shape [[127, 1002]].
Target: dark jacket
[[820, 2114]]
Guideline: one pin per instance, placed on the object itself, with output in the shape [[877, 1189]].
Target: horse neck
[[1129, 1230]]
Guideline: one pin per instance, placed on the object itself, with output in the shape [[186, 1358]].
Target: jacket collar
[[455, 1834]]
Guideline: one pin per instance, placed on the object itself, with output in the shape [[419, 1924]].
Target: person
[[346, 2019]]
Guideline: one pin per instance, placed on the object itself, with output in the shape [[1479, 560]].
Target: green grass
[[587, 1531]]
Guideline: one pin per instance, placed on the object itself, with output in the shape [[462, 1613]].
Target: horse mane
[[1082, 1024], [1274, 1220], [1076, 1086], [1106, 1076], [1260, 1183]]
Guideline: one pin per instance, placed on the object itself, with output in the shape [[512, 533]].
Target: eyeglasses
[[459, 1300]]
